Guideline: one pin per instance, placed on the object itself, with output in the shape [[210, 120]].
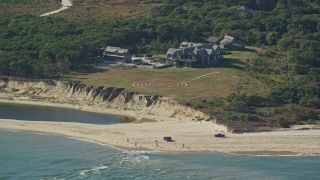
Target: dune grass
[[33, 7], [107, 10], [81, 9]]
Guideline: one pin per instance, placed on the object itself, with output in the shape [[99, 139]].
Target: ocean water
[[44, 113], [40, 156]]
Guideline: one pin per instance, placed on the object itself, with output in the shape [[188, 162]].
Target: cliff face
[[101, 98]]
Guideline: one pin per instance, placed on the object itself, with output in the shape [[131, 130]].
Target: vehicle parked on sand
[[168, 139], [220, 135]]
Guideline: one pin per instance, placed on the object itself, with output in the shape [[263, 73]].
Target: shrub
[[307, 116], [285, 123], [310, 121], [313, 103]]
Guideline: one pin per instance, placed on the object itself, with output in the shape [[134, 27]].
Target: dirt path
[[65, 5], [202, 76], [167, 84]]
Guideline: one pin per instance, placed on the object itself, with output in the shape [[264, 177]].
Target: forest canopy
[[29, 43]]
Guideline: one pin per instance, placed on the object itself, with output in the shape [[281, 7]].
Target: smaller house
[[159, 58], [174, 53], [231, 43], [244, 9], [116, 54], [214, 40], [185, 45]]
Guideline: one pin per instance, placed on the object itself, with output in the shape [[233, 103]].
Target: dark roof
[[173, 52], [194, 49], [213, 39], [238, 44], [202, 52], [229, 39], [188, 50]]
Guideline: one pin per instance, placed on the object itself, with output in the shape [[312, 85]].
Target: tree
[[266, 5], [272, 38], [63, 65]]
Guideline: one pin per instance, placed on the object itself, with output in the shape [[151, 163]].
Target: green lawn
[[229, 76]]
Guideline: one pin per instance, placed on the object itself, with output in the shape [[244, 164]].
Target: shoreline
[[139, 150], [189, 136], [117, 136], [126, 149]]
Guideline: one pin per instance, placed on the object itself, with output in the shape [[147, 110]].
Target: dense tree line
[[33, 46], [47, 46], [289, 30]]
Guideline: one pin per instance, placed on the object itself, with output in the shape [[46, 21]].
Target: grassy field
[[34, 7], [206, 93], [108, 9], [227, 77]]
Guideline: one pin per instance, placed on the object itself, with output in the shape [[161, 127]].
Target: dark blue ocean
[[41, 156]]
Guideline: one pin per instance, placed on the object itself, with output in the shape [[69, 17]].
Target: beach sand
[[189, 136]]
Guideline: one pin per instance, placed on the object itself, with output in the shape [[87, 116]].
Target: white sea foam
[[94, 170], [143, 152], [95, 142], [134, 159], [283, 155]]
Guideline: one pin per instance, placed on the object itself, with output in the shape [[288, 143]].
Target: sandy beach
[[188, 136]]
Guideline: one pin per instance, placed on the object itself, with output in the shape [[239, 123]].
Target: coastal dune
[[108, 100]]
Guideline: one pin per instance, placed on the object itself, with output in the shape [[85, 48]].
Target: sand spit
[[188, 136]]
